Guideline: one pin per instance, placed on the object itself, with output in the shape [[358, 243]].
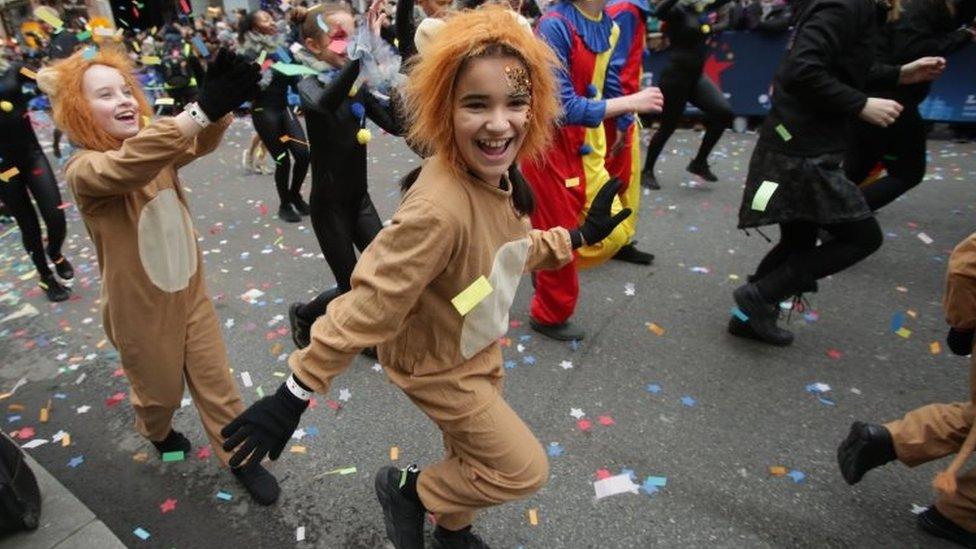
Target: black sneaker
[[174, 442], [867, 446], [287, 213], [258, 482], [702, 170], [54, 290], [301, 329], [630, 254], [462, 539], [404, 518], [300, 205], [762, 316], [648, 181], [567, 331], [935, 523], [64, 268]]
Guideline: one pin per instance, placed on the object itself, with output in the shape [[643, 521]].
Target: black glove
[[960, 341], [598, 223], [264, 428], [230, 81]]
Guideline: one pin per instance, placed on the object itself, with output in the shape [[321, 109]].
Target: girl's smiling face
[[490, 114], [113, 105]]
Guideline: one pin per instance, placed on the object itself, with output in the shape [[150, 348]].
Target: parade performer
[[155, 307], [573, 169], [795, 177], [434, 288], [342, 213], [937, 430]]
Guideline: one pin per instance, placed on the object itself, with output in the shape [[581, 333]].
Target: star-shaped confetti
[[344, 395], [554, 449], [688, 401], [653, 388], [576, 412], [566, 364], [167, 506], [76, 461]]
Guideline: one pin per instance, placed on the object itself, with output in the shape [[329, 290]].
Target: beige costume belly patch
[[488, 320], [167, 247]]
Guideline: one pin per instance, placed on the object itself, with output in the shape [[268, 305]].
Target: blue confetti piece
[[528, 360], [797, 476], [897, 320], [737, 313], [311, 431], [692, 229], [554, 449], [510, 364], [200, 46], [525, 338], [224, 496], [630, 473], [657, 482], [688, 401], [653, 388], [76, 461], [60, 396], [574, 344], [11, 419], [141, 534], [826, 401]]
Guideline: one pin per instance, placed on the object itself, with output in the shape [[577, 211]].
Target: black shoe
[[301, 329], [631, 254], [64, 268], [462, 539], [54, 290], [174, 442], [935, 523], [567, 331], [258, 482], [648, 181], [742, 329], [867, 446], [762, 316], [287, 213], [404, 518], [370, 352], [702, 170], [300, 205]]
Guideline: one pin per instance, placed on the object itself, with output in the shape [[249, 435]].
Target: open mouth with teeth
[[494, 148], [127, 117]]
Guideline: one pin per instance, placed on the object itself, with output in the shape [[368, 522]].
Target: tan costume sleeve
[[135, 164], [392, 273], [959, 299], [550, 249], [206, 141]]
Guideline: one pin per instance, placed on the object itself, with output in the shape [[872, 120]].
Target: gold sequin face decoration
[[518, 80]]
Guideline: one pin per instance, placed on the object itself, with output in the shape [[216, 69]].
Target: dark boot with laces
[[867, 446]]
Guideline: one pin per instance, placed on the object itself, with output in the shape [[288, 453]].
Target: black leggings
[[339, 227], [900, 147], [271, 124], [35, 179], [679, 87], [852, 241]]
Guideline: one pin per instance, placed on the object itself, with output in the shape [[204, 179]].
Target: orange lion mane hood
[[63, 83]]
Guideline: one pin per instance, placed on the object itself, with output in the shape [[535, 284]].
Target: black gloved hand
[[960, 341], [230, 81], [264, 428], [598, 223]]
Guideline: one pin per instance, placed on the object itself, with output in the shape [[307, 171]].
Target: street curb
[[65, 520]]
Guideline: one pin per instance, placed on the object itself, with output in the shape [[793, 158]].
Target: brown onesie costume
[[447, 234], [937, 430], [154, 302]]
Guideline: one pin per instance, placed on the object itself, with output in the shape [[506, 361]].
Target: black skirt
[[810, 189]]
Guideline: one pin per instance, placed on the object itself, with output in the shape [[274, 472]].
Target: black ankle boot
[[630, 254], [867, 446], [404, 517], [702, 170], [174, 442], [54, 290], [935, 523], [648, 181], [762, 316], [287, 213], [300, 205], [64, 268], [258, 482], [301, 329]]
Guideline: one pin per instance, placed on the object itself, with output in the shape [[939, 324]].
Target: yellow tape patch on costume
[[472, 295]]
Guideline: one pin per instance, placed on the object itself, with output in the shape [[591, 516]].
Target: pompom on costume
[[155, 307]]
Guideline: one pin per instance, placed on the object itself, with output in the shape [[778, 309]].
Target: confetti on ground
[[173, 456], [935, 348], [834, 354], [657, 330], [141, 534], [394, 453], [224, 496], [554, 449], [533, 517], [653, 388], [618, 484], [300, 533], [688, 401], [167, 506]]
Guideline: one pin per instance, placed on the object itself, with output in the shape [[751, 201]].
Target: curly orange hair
[[429, 94], [63, 81]]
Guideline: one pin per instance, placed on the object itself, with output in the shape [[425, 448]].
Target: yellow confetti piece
[[777, 471], [394, 453], [761, 199], [901, 289], [28, 73], [935, 348], [101, 344], [165, 101], [657, 330], [733, 277], [904, 332], [912, 313], [27, 276], [296, 449], [572, 182], [141, 457], [66, 441], [150, 60], [533, 517], [9, 174], [15, 408], [44, 415], [472, 295]]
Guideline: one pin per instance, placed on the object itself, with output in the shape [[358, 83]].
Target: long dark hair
[[522, 198]]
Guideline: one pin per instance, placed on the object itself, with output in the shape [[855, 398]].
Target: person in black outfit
[[682, 81], [926, 28], [406, 27], [19, 149], [342, 213], [797, 160], [272, 118]]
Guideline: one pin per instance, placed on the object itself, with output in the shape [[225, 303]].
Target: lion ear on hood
[[427, 32], [47, 80]]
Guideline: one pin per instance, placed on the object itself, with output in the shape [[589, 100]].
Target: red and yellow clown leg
[[556, 205], [594, 166], [625, 166]]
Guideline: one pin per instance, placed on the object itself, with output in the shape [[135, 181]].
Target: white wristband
[[197, 114], [296, 389]]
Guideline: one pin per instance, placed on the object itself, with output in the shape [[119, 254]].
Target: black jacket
[[338, 160], [15, 126], [684, 29], [819, 86]]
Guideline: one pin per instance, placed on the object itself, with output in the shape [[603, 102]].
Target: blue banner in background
[[742, 64]]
